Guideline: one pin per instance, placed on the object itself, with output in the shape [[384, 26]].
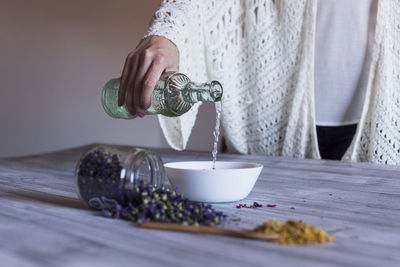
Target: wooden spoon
[[209, 230]]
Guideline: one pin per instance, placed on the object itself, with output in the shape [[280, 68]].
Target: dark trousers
[[333, 141]]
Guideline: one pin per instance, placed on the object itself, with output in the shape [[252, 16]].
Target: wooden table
[[43, 223]]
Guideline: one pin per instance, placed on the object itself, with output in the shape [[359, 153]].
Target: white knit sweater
[[263, 53]]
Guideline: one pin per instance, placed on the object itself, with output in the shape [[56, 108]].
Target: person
[[316, 79]]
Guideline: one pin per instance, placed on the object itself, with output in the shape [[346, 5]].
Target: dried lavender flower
[[163, 205]]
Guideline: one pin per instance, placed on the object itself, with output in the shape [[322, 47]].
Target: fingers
[[144, 65], [130, 86], [150, 80], [124, 79]]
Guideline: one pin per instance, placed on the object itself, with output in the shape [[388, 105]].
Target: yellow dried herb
[[295, 232]]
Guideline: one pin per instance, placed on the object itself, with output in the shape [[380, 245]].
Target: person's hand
[[143, 68]]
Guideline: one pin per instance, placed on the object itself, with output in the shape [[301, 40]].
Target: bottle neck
[[205, 92]]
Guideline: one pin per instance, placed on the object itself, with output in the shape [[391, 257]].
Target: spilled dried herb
[[255, 205], [295, 232], [163, 205]]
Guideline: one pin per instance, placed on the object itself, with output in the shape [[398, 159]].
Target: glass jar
[[107, 175]]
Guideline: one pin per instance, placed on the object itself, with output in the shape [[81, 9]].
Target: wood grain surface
[[42, 223]]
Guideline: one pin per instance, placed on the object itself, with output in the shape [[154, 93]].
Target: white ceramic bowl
[[230, 181]]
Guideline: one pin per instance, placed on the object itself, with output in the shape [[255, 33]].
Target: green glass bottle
[[173, 95]]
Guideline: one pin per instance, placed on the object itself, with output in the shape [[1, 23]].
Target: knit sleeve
[[181, 22]]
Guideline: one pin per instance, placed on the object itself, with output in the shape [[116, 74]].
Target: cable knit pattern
[[263, 53]]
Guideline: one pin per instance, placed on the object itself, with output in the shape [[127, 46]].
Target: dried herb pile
[[162, 205], [295, 232]]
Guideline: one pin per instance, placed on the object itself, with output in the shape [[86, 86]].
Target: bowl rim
[[249, 165]]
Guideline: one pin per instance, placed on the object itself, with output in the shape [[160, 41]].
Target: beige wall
[[55, 57]]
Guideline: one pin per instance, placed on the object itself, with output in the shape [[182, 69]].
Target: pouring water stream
[[218, 108]]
